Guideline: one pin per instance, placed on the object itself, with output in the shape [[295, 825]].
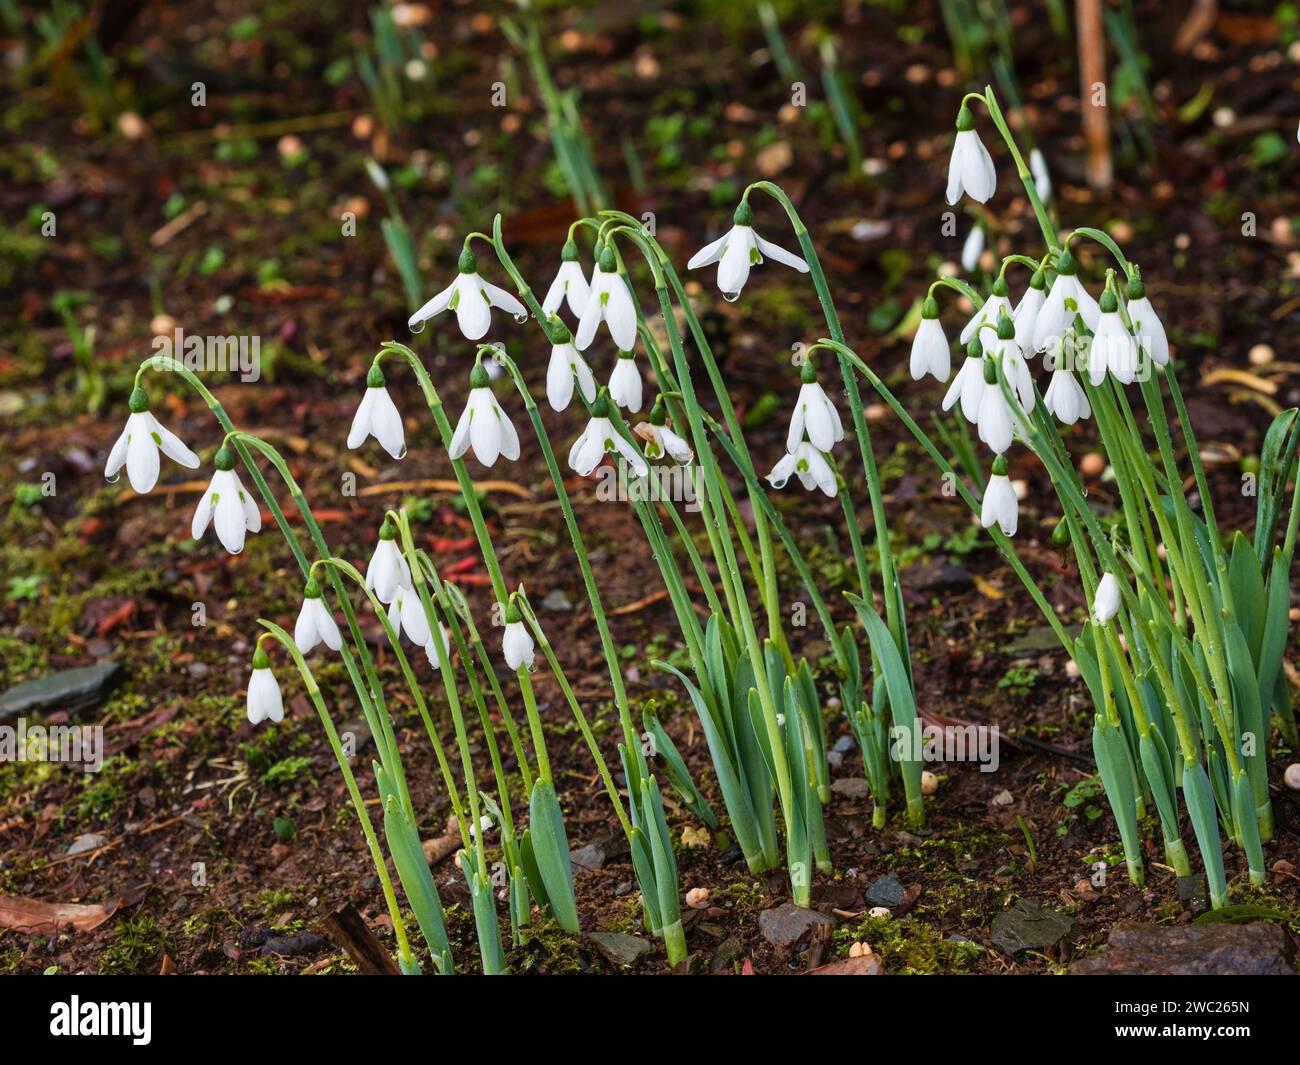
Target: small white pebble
[[1292, 776], [697, 898], [929, 782], [1072, 668], [860, 950], [878, 911]]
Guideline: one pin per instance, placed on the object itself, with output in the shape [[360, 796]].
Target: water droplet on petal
[[520, 319], [418, 327], [114, 478], [731, 297]]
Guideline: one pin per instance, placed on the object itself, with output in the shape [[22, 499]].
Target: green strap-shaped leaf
[[417, 883], [490, 950], [1205, 823], [1276, 624], [1250, 711], [1248, 595], [551, 853], [1276, 458], [643, 864], [1113, 761], [1243, 804], [1160, 782], [679, 776]]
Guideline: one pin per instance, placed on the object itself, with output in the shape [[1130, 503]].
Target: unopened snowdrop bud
[[809, 465], [998, 304], [570, 284], [137, 448], [994, 420], [814, 413], [659, 439], [1147, 326], [930, 353], [1042, 179], [315, 622], [625, 382], [970, 169], [1066, 299], [1113, 347], [471, 298], [1000, 506], [972, 248], [226, 505], [484, 425], [516, 643], [264, 702], [739, 249], [1105, 604], [968, 385], [377, 416], [388, 570], [600, 437], [1026, 313], [609, 301], [566, 364]]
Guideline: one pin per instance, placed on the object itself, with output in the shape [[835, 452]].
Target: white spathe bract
[[930, 354], [608, 301], [228, 507], [809, 465], [736, 252], [1025, 317], [1105, 604], [1113, 348], [1000, 506], [571, 286], [660, 441], [988, 314], [472, 299], [264, 701], [968, 387], [1066, 399], [971, 169], [625, 384], [406, 615], [137, 449], [566, 363], [484, 427], [315, 625], [598, 438], [815, 414], [517, 645], [1066, 298], [972, 248], [1149, 330], [387, 571], [377, 416], [1042, 179]]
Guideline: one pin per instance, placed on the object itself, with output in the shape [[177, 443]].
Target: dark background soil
[[94, 572]]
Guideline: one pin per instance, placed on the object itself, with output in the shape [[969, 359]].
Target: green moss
[[138, 943], [910, 947], [547, 949]]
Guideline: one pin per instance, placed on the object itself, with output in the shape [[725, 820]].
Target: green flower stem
[[370, 691], [358, 803], [1022, 170], [490, 560]]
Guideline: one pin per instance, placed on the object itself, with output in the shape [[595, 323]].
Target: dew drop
[[114, 478], [731, 297], [520, 319], [418, 327]]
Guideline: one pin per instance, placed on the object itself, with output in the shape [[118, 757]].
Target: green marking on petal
[[156, 438], [455, 300]]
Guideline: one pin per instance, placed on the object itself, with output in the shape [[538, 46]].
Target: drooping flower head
[[1113, 347], [1000, 506], [814, 414], [610, 301], [968, 386], [138, 446], [570, 284], [738, 250], [226, 506], [660, 440], [1066, 299], [1026, 312], [566, 364], [970, 169], [1105, 604], [625, 382], [988, 313], [388, 570], [471, 298], [930, 354], [377, 416], [996, 421], [1147, 327], [1065, 397], [406, 615], [264, 701], [315, 622], [601, 437], [483, 425], [809, 465], [516, 643]]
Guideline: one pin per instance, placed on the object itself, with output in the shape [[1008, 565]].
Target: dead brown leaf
[[35, 917]]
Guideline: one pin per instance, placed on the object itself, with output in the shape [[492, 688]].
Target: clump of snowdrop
[[516, 643], [659, 439], [377, 416], [625, 382], [1000, 506], [1066, 299], [970, 170], [610, 301], [471, 298], [264, 700], [138, 446], [570, 284], [315, 623], [388, 570], [739, 250], [226, 506], [930, 352], [566, 365], [484, 426], [600, 438]]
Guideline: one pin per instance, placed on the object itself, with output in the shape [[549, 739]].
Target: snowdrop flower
[[406, 614], [996, 421], [811, 467], [990, 310], [930, 354], [660, 440], [970, 169], [315, 622], [1025, 315], [431, 648], [1113, 347], [264, 702], [1014, 366], [377, 416], [570, 284], [972, 248], [226, 505], [739, 249], [471, 298], [1000, 506], [625, 382], [483, 425], [566, 363], [814, 413], [1067, 298], [600, 437], [1042, 179], [1146, 324], [516, 643], [610, 301], [1065, 397], [1105, 604], [968, 385], [137, 448], [388, 571]]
